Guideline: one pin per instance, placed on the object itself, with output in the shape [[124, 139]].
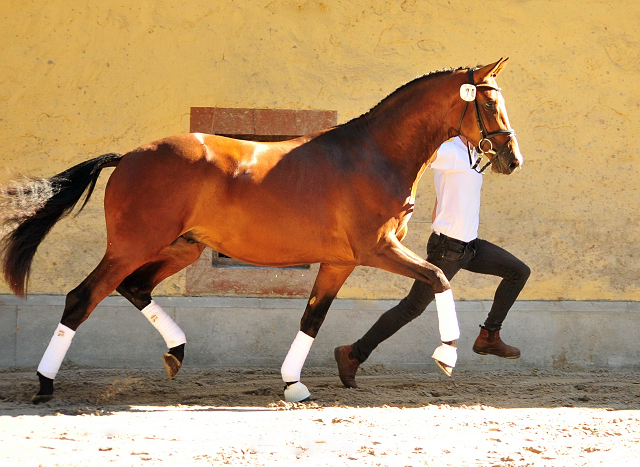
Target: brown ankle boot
[[489, 343], [347, 365]]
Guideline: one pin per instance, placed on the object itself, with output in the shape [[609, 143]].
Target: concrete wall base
[[257, 333]]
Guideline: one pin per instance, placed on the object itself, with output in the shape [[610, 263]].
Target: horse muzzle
[[507, 159]]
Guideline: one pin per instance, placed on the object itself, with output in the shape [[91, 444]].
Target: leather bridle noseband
[[485, 136]]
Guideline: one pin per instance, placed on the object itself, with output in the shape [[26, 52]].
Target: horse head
[[490, 131]]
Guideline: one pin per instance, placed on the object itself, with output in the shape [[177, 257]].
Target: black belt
[[454, 241]]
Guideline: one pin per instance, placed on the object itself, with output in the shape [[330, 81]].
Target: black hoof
[[171, 364], [40, 399], [45, 394], [178, 352], [173, 360]]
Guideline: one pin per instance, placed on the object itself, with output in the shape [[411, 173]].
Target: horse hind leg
[[79, 304], [138, 286]]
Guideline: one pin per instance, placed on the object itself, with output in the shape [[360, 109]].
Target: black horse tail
[[31, 207]]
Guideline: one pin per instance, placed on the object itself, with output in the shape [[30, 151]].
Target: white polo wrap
[[294, 361], [168, 329], [447, 318], [57, 349]]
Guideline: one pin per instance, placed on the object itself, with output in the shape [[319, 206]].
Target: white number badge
[[468, 92]]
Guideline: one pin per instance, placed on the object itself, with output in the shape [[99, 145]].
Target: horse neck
[[411, 124]]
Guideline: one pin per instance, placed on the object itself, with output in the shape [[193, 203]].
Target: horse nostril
[[515, 163]]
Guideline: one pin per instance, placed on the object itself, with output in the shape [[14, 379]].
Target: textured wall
[[80, 79]]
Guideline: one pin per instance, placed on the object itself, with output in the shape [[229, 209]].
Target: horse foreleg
[[80, 302], [328, 282], [392, 256], [137, 288]]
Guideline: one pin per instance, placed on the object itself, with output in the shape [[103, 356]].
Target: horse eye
[[490, 105]]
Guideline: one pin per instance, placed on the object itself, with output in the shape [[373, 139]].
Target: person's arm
[[433, 214]]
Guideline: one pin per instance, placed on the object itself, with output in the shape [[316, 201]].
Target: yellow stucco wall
[[81, 78]]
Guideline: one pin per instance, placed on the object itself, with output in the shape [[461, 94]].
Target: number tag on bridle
[[468, 92]]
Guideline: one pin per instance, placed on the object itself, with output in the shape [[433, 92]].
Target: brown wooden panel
[[234, 121], [201, 120]]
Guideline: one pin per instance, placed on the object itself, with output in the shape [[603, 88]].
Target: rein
[[485, 136]]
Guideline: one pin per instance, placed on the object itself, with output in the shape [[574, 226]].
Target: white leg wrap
[[446, 354], [168, 329], [294, 361], [447, 318], [57, 349]]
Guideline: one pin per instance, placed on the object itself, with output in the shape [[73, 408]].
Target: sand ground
[[395, 418]]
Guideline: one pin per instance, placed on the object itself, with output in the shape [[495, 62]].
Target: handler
[[453, 245]]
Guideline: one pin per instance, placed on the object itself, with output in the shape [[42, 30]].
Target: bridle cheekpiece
[[468, 94]]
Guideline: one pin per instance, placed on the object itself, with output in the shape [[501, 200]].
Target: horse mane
[[402, 88]]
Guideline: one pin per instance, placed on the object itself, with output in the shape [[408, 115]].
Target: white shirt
[[458, 189]]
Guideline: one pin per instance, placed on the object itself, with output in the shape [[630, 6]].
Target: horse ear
[[490, 70]]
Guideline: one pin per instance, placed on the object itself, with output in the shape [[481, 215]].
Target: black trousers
[[451, 255]]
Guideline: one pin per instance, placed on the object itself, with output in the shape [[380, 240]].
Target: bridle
[[485, 136]]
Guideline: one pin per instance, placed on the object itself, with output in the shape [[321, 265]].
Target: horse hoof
[[296, 392], [171, 364], [41, 398], [444, 367], [445, 357]]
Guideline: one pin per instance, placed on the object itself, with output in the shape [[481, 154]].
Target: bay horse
[[340, 197]]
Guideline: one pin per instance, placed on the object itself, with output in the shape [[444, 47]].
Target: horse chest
[[399, 223]]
